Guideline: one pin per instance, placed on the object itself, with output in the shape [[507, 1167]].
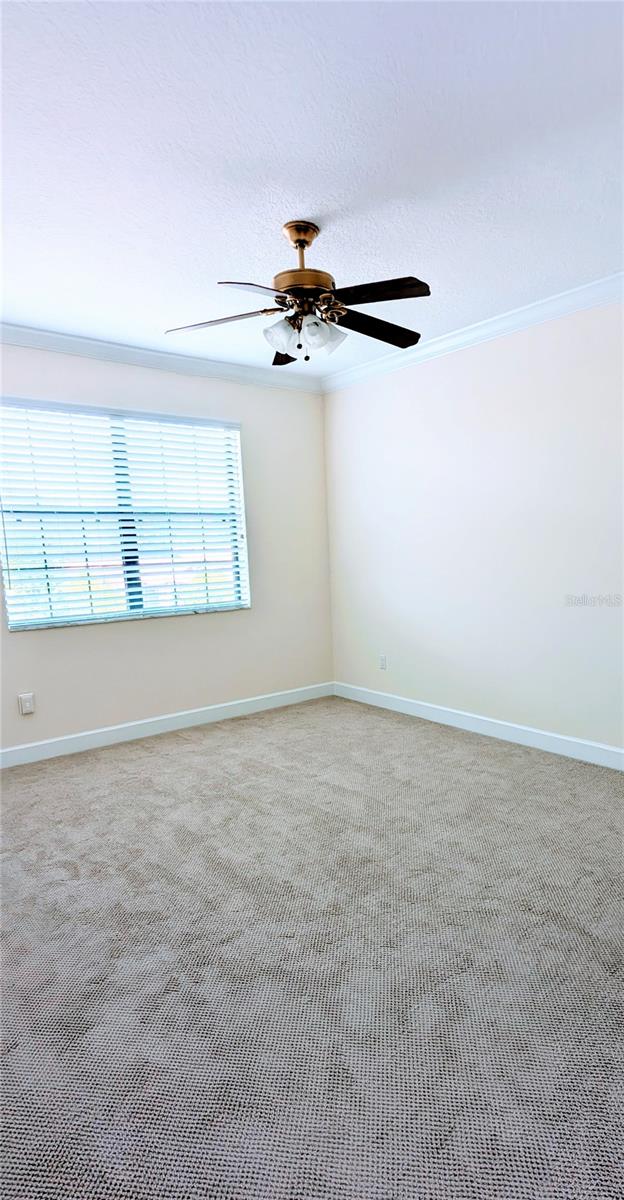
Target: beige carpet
[[323, 953]]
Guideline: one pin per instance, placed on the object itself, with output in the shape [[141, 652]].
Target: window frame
[[138, 615]]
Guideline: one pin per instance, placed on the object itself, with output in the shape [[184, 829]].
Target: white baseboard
[[591, 752], [539, 739], [31, 752]]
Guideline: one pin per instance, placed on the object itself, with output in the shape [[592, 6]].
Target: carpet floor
[[321, 953]]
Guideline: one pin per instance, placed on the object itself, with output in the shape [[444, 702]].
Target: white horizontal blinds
[[61, 545], [107, 516], [182, 483]]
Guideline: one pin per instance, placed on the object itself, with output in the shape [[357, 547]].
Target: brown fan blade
[[382, 330], [386, 289], [282, 360], [260, 312], [252, 287]]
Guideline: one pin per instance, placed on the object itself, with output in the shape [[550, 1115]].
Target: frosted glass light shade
[[314, 335], [336, 338], [320, 335], [282, 337]]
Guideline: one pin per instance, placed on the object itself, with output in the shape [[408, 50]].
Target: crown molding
[[159, 360], [608, 290], [602, 291]]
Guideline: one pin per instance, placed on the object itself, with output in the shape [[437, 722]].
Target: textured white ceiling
[[152, 149]]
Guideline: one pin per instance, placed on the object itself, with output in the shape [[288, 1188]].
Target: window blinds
[[109, 515]]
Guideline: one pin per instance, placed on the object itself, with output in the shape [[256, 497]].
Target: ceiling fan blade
[[282, 360], [382, 330], [252, 287], [386, 289], [260, 312]]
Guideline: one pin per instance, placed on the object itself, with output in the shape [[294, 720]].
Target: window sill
[[139, 616]]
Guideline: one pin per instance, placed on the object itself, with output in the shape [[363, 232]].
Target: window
[[109, 515]]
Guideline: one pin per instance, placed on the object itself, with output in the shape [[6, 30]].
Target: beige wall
[[467, 497], [89, 676]]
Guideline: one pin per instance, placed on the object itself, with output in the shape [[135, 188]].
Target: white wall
[[468, 496], [90, 676]]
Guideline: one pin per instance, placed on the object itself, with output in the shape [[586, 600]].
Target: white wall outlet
[[383, 662], [26, 703]]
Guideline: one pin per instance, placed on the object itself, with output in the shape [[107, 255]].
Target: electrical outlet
[[383, 662], [26, 703]]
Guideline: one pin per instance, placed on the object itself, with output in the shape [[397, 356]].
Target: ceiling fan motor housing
[[305, 279]]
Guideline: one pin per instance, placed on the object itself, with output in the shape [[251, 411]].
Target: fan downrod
[[301, 234]]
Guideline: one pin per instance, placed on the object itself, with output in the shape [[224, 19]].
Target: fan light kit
[[315, 312]]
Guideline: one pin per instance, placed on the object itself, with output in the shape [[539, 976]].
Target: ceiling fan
[[314, 311]]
